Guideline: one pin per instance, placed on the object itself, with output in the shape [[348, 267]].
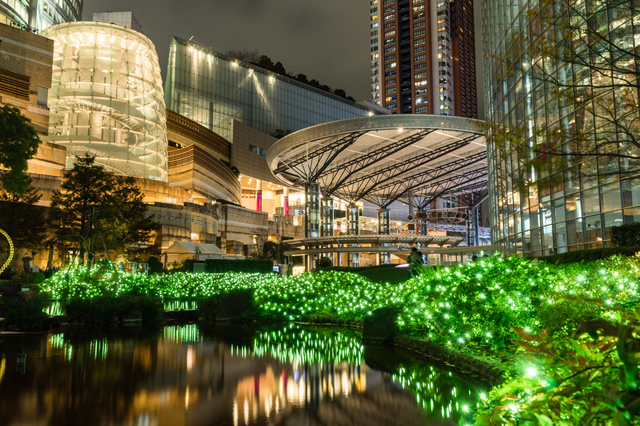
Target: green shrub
[[26, 315], [208, 307], [589, 255], [155, 265], [588, 377], [38, 277], [109, 309], [324, 262], [626, 235], [227, 265]]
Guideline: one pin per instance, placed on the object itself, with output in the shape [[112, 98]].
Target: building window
[[390, 17], [258, 151], [389, 49], [391, 98], [420, 67], [420, 83], [419, 41], [392, 106], [390, 57], [420, 58], [389, 82], [389, 9], [419, 50], [418, 25], [389, 25], [419, 33], [390, 90], [421, 100], [422, 109], [418, 16], [389, 74], [390, 41], [389, 66], [418, 8], [390, 33], [420, 75], [421, 91]]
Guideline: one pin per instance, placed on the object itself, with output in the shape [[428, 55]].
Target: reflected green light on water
[[293, 343], [188, 333], [440, 393]]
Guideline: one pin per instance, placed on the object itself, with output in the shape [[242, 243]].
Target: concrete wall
[[31, 56]]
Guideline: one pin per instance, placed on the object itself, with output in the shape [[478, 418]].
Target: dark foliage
[[26, 315], [155, 265], [224, 265], [110, 309], [19, 142], [21, 217], [589, 255], [626, 235], [324, 262]]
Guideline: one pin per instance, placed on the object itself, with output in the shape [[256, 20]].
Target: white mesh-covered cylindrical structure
[[107, 99]]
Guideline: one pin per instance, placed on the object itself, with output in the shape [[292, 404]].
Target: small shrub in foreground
[[590, 378], [109, 309], [26, 315]]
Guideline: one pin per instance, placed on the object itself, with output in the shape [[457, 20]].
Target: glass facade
[[545, 204], [39, 14], [106, 98], [211, 89]]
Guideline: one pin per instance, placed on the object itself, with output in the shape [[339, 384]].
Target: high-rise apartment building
[[423, 56], [36, 15]]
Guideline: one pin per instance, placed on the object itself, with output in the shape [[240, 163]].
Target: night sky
[[324, 39], [327, 40]]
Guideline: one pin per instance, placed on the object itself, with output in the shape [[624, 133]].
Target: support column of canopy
[[258, 195], [353, 228], [312, 216], [424, 230], [285, 201], [326, 225], [384, 228], [473, 225]]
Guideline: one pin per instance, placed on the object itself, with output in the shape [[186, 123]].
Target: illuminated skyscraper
[[39, 14], [423, 56], [212, 89], [107, 99]]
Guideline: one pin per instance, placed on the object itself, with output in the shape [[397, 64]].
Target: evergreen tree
[[91, 198], [85, 192], [130, 223]]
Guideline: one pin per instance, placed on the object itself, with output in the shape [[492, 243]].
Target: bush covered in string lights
[[467, 306]]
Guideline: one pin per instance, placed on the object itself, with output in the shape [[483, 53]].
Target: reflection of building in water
[[177, 377]]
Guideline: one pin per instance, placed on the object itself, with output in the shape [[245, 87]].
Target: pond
[[223, 375]]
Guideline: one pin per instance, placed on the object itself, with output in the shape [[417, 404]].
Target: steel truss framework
[[383, 159]]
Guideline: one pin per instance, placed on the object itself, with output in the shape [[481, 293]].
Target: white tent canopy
[[179, 251], [187, 247]]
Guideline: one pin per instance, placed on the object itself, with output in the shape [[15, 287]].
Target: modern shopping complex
[[357, 182]]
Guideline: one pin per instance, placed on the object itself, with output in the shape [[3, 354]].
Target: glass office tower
[[106, 98], [545, 204], [212, 89], [39, 14]]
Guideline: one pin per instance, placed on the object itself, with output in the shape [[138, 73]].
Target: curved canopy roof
[[386, 158]]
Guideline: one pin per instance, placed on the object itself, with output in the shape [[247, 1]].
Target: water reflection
[[221, 375]]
